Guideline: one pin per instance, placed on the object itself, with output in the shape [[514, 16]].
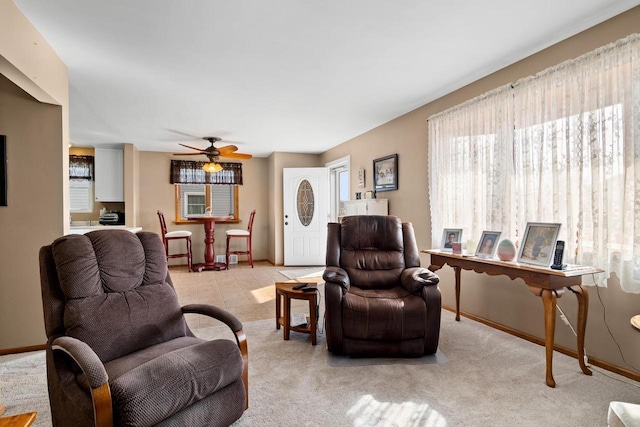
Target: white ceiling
[[282, 75]]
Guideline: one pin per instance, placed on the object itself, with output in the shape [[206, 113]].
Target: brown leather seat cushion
[[383, 314]]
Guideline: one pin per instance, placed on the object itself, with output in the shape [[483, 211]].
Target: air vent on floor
[[233, 259]]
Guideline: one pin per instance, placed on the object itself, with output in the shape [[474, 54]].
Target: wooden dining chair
[[175, 235], [243, 234]]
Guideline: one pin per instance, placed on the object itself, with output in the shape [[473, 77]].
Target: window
[[571, 138], [81, 183], [197, 190], [339, 179], [194, 199], [80, 196]]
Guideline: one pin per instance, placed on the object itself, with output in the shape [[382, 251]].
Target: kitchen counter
[[82, 229]]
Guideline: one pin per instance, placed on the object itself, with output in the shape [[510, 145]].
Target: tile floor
[[248, 293]]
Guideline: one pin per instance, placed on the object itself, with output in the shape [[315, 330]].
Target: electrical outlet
[[564, 319]]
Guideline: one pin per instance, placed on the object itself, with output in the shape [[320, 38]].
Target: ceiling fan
[[214, 154]]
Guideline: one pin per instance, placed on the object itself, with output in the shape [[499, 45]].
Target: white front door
[[306, 213]]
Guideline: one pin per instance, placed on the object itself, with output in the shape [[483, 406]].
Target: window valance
[[191, 172], [81, 167]]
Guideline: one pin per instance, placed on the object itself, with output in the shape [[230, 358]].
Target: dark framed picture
[[3, 171], [538, 243], [488, 244], [449, 237], [385, 173]]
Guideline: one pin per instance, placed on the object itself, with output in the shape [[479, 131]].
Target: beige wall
[[32, 78], [498, 298], [33, 217], [277, 162], [157, 193]]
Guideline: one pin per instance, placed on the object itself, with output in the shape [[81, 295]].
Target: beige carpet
[[488, 378]]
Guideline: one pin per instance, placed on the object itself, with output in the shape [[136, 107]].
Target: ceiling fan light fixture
[[212, 167]]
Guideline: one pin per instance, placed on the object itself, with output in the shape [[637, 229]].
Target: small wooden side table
[[20, 420], [285, 291]]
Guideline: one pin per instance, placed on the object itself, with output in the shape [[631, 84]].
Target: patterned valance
[[191, 172], [81, 167]]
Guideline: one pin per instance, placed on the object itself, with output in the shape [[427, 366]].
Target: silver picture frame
[[538, 243]]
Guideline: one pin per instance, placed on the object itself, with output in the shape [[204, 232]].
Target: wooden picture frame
[[450, 236], [385, 173], [3, 171], [488, 244], [538, 243]]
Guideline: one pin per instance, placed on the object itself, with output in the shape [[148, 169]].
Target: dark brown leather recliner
[[119, 351], [379, 301]]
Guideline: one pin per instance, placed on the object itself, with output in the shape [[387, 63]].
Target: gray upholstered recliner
[[379, 301], [119, 351]]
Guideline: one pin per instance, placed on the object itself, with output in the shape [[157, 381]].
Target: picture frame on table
[[538, 243], [385, 173], [449, 237], [488, 244]]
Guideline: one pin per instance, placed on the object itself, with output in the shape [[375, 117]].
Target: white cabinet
[[109, 174], [366, 207]]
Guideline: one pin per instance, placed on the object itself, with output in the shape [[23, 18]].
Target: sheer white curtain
[[561, 146], [471, 167], [577, 154]]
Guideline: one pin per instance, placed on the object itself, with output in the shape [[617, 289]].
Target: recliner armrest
[[415, 278], [217, 313], [236, 326], [338, 276], [84, 357], [95, 373]]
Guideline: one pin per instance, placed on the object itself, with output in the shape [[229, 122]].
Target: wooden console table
[[542, 282]]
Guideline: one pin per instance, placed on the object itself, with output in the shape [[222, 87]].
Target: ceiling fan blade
[[193, 148], [227, 149], [236, 156], [189, 154], [184, 133]]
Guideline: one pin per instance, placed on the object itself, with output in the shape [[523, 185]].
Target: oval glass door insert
[[305, 202]]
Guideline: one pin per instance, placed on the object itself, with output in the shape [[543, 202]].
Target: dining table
[[209, 222]]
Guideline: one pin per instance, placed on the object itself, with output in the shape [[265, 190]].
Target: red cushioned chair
[[175, 235], [241, 234]]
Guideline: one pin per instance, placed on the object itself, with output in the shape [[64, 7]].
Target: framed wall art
[[538, 243], [385, 173]]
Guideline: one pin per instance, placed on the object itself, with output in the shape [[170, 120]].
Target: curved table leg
[[549, 301], [549, 298], [583, 306]]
